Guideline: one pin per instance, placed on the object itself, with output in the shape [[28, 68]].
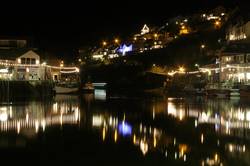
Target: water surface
[[112, 130]]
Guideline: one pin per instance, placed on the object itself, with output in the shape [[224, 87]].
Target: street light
[[217, 24], [61, 64], [104, 43], [181, 69], [203, 46], [116, 41]]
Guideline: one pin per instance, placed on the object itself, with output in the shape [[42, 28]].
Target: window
[[248, 58], [28, 61], [33, 61], [241, 58], [22, 60]]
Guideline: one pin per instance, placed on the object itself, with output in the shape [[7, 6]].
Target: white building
[[239, 32], [30, 68], [25, 66], [234, 66]]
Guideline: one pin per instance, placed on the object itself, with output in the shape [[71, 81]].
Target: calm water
[[95, 129]]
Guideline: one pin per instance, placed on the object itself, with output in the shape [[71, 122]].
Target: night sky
[[61, 27]]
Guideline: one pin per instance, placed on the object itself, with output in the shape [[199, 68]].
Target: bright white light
[[248, 116], [43, 124], [145, 30], [18, 127], [3, 116], [97, 120], [37, 126], [144, 147], [37, 62], [100, 94], [171, 109], [4, 70]]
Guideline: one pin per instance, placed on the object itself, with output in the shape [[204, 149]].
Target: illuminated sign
[[124, 49], [145, 30]]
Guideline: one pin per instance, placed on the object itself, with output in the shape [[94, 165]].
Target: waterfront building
[[19, 62], [232, 67], [239, 32]]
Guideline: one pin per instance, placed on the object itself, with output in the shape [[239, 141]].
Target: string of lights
[[75, 69]]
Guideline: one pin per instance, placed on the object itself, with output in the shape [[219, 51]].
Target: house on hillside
[[233, 66]]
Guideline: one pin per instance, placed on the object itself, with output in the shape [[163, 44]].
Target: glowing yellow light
[[79, 60], [61, 65], [18, 60], [231, 148], [203, 46], [217, 23], [181, 115], [37, 62], [61, 119], [37, 126], [183, 149], [134, 139], [104, 43], [216, 157], [135, 38], [115, 136], [183, 27], [103, 134], [116, 41], [144, 147], [155, 141], [43, 124], [18, 127], [202, 138], [182, 69], [27, 118], [27, 70], [155, 35]]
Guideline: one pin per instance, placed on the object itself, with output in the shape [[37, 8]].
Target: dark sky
[[60, 26]]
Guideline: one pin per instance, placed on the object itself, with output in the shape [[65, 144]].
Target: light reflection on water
[[35, 116], [148, 127]]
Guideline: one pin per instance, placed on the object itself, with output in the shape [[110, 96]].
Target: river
[[97, 129]]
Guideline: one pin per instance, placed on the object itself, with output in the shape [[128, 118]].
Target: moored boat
[[220, 93], [88, 88], [245, 91], [66, 88]]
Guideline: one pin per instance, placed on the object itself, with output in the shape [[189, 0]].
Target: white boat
[[66, 88], [235, 93]]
